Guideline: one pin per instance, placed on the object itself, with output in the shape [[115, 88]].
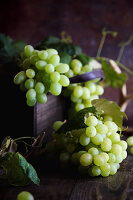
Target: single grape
[[124, 154], [91, 131], [34, 59], [79, 106], [105, 155], [57, 125], [91, 86], [77, 70], [54, 60], [99, 160], [91, 121], [70, 73], [119, 159], [106, 144], [20, 77], [116, 149], [64, 81], [49, 68], [78, 91], [31, 94], [130, 141], [43, 55], [25, 196], [39, 88], [31, 102], [85, 159], [62, 68], [55, 89], [97, 139], [113, 168], [123, 144], [114, 137], [51, 52], [40, 65], [75, 62], [101, 128], [96, 171], [87, 103], [29, 83], [75, 99], [28, 50], [55, 76], [93, 151], [112, 158], [87, 68], [99, 90], [112, 127], [30, 73], [84, 140], [86, 93], [105, 174], [105, 168], [41, 98]]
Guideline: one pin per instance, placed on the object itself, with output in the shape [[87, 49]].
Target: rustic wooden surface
[[82, 19]]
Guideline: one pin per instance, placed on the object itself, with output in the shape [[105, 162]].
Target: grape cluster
[[130, 143], [41, 72], [96, 149], [82, 94]]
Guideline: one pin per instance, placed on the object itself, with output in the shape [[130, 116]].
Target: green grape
[[106, 144], [79, 106], [86, 93], [46, 81], [28, 50], [84, 140], [31, 94], [20, 77], [94, 97], [62, 68], [51, 52], [77, 70], [70, 148], [43, 55], [105, 155], [35, 52], [70, 73], [81, 153], [105, 168], [112, 127], [91, 121], [119, 159], [123, 144], [97, 139], [115, 137], [87, 103], [72, 86], [107, 118], [124, 154], [91, 86], [93, 151], [113, 168], [64, 81], [96, 171], [26, 63], [130, 141], [99, 90], [99, 160], [112, 158], [117, 165], [75, 99], [78, 91], [75, 159], [57, 125], [116, 149], [87, 68], [85, 159], [31, 102], [64, 157], [40, 65], [105, 174], [75, 62], [91, 131], [33, 59], [41, 98], [55, 76], [54, 60], [25, 196], [49, 68], [55, 89], [30, 73], [29, 83], [39, 88], [101, 128]]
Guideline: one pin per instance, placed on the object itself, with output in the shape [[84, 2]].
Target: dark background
[[83, 20]]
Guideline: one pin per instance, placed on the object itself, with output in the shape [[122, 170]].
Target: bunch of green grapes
[[41, 72], [95, 150], [82, 94]]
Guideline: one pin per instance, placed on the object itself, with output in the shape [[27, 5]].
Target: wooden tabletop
[[65, 186]]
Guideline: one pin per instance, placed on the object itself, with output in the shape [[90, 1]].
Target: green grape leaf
[[6, 44], [112, 78], [110, 108], [18, 46], [18, 171], [84, 58], [59, 45], [65, 58], [77, 121]]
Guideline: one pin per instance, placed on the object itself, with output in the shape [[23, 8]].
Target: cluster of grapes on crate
[[42, 73], [94, 150]]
